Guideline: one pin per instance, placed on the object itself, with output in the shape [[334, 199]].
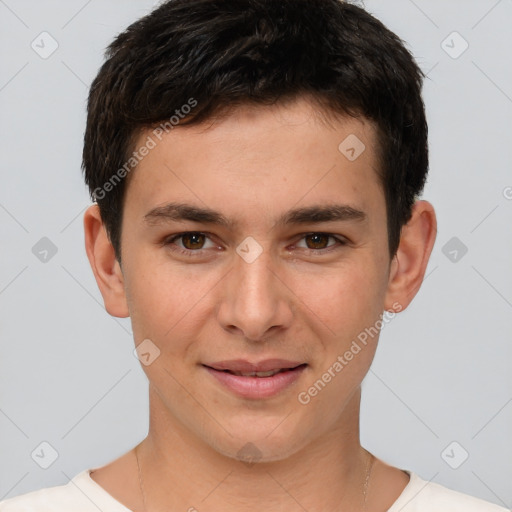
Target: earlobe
[[105, 267], [409, 265]]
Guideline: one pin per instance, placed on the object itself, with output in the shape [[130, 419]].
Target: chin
[[260, 445]]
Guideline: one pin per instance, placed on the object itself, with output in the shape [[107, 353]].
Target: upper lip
[[241, 365]]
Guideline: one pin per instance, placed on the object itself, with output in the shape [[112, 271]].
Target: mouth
[[255, 381], [260, 375]]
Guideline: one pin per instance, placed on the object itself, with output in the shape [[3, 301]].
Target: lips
[[264, 368], [255, 374], [270, 373], [256, 380]]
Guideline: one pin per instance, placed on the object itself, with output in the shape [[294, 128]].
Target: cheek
[[165, 303], [343, 300]]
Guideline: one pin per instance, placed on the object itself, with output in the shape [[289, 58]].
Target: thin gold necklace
[[369, 466]]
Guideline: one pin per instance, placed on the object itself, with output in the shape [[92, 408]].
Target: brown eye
[[193, 240], [318, 241], [190, 243]]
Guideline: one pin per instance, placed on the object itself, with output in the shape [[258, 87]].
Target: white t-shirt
[[83, 494]]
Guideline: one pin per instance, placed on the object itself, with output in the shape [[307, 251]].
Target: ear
[[410, 262], [105, 267]]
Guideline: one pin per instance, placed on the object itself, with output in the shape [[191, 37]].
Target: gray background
[[68, 375]]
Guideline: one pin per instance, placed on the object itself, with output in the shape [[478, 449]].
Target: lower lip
[[257, 387]]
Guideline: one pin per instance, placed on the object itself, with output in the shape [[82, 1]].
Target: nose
[[255, 299]]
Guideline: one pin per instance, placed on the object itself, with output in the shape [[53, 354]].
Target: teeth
[[256, 374]]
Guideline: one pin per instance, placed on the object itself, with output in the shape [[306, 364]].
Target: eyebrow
[[306, 215]]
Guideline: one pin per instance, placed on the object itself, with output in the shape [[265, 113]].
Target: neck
[[182, 472]]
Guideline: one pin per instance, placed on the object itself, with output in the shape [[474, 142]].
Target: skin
[[253, 165]]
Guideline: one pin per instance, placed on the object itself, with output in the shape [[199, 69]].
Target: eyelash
[[199, 252]]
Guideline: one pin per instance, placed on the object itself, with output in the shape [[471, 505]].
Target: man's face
[[262, 286]]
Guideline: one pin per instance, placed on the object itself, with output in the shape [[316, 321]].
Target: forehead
[[260, 158]]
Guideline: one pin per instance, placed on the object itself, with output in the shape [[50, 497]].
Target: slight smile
[[256, 380]]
